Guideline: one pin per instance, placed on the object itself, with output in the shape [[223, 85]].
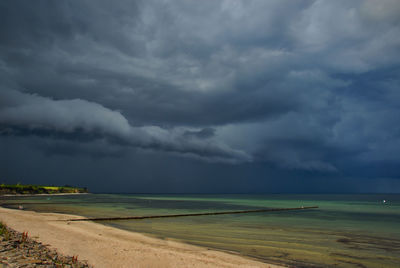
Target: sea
[[346, 230]]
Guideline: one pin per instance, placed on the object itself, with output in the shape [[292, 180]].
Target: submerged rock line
[[190, 214]]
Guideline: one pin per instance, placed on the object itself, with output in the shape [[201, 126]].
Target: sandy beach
[[104, 246]]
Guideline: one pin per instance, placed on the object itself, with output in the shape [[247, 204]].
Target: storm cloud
[[301, 88], [35, 115]]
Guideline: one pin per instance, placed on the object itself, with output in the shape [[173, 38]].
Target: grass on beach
[[4, 231]]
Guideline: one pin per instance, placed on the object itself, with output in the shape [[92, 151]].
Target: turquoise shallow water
[[346, 230]]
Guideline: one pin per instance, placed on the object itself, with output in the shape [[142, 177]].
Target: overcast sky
[[201, 96]]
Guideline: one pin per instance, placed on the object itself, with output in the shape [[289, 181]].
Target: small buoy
[[384, 201]]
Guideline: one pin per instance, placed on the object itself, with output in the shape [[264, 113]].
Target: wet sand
[[104, 246]]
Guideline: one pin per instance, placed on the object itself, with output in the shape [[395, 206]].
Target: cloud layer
[[26, 114], [308, 85]]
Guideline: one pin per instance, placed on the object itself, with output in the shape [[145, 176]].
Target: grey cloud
[[32, 114], [183, 87], [289, 142], [310, 85], [350, 36], [203, 133]]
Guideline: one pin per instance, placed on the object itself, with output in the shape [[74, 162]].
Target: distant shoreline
[[33, 189], [9, 195], [105, 246]]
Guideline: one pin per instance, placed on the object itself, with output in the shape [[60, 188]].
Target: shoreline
[[104, 246], [19, 195]]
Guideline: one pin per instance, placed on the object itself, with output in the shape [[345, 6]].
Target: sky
[[181, 96]]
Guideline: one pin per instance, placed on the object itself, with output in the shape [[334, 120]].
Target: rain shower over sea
[[344, 231]]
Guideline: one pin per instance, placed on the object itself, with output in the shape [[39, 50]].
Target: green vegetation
[[4, 231], [38, 189], [2, 228]]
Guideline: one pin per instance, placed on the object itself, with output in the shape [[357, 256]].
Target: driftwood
[[191, 214]]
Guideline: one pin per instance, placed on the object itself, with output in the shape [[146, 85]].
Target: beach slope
[[104, 246]]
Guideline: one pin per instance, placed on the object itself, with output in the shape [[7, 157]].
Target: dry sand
[[104, 246]]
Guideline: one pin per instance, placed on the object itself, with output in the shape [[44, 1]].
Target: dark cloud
[[305, 86], [28, 114], [203, 133]]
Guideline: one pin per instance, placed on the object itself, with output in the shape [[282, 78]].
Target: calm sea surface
[[346, 230]]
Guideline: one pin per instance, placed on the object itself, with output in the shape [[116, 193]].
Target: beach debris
[[24, 237], [75, 259], [18, 250]]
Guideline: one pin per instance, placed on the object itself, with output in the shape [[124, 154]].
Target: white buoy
[[384, 201]]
